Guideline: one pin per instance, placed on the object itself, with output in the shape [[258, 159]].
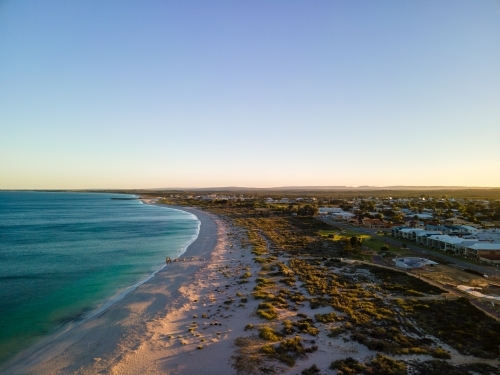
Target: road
[[377, 259], [416, 249]]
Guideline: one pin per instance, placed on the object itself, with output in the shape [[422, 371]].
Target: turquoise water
[[64, 254]]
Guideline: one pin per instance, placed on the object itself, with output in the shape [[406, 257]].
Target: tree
[[471, 210], [355, 241], [347, 244]]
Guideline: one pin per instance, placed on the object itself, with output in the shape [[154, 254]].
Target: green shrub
[[326, 318], [437, 367], [348, 366], [269, 334], [311, 370], [287, 327], [267, 311], [387, 366], [306, 326], [336, 332], [264, 282], [441, 353]]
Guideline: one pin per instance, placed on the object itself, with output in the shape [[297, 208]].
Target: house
[[422, 237], [461, 248], [329, 210], [486, 251], [415, 224], [410, 233], [449, 229], [444, 242], [395, 230], [424, 216], [373, 223], [455, 221], [342, 216]]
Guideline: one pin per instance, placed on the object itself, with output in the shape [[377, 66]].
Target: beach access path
[[102, 343]]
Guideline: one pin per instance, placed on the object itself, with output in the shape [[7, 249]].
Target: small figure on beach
[[168, 260]]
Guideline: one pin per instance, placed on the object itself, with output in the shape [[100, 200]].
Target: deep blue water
[[64, 254]]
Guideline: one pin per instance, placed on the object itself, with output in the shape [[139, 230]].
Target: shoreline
[[33, 359], [129, 289]]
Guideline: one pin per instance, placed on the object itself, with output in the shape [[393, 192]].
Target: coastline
[[123, 293], [64, 351]]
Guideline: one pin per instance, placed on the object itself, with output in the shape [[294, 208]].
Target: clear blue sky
[[149, 94]]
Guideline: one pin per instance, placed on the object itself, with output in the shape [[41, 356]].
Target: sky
[[156, 94]]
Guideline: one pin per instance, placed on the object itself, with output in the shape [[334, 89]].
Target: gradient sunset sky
[[152, 94]]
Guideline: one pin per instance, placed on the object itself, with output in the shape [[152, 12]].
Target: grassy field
[[371, 242], [348, 233]]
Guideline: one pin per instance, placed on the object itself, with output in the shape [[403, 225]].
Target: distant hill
[[329, 188]]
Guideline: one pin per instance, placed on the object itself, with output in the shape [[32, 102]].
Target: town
[[468, 228]]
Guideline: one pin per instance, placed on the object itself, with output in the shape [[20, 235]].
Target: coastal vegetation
[[389, 312]]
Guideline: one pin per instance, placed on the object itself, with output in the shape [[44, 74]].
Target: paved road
[[417, 250], [485, 307], [377, 259]]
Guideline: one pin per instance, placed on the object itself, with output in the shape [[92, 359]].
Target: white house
[[329, 210], [342, 216], [422, 237], [444, 242]]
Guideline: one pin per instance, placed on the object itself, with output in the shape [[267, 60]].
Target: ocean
[[63, 255]]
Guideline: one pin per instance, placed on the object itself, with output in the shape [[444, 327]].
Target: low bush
[[437, 367], [311, 370], [267, 311], [246, 275], [269, 334], [327, 318], [288, 327], [267, 314], [336, 332], [306, 326], [348, 366], [380, 365], [441, 353]]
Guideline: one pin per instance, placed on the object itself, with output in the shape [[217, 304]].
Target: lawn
[[348, 233], [376, 244], [371, 242]]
